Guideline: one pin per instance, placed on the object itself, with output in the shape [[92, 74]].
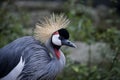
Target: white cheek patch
[[56, 40]]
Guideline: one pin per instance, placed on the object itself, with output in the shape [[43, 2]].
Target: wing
[[9, 58], [35, 62], [11, 53]]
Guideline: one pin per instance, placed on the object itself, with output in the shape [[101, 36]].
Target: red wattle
[[57, 52]]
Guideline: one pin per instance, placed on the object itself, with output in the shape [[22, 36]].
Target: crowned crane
[[37, 57]]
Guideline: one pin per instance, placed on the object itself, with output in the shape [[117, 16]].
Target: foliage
[[82, 29], [11, 23], [105, 70]]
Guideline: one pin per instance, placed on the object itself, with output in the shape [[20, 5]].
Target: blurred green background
[[92, 21]]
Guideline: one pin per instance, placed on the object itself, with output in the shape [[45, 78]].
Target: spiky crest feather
[[46, 28]]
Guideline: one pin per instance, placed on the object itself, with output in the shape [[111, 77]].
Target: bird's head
[[61, 37], [53, 28]]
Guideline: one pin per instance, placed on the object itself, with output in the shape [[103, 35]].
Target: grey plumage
[[39, 64]]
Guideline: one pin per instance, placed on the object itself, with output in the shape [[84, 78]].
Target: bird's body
[[38, 60], [36, 57]]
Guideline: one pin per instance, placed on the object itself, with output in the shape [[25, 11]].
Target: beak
[[68, 43]]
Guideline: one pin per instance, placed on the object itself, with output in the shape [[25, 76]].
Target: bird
[[39, 56]]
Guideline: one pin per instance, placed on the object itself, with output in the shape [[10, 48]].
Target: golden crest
[[44, 30]]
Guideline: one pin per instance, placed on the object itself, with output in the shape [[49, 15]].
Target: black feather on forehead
[[64, 33]]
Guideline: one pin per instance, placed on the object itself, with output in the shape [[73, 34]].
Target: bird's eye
[[61, 38]]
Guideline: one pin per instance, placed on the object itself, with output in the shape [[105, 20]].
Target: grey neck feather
[[61, 61], [50, 48]]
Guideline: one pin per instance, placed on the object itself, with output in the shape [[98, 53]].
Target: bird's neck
[[57, 51], [57, 56], [54, 49]]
